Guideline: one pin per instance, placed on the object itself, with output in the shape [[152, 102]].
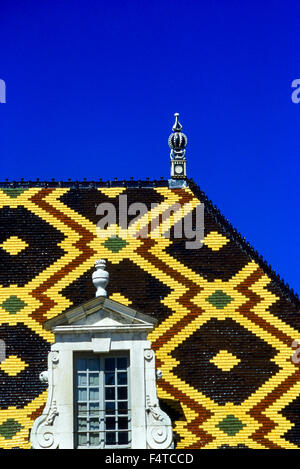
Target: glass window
[[102, 402]]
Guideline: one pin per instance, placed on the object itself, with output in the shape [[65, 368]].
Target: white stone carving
[[159, 426], [54, 356], [100, 278], [43, 377], [44, 439], [43, 434], [149, 355], [52, 414]]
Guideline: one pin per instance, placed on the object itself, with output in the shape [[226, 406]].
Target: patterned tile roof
[[226, 321]]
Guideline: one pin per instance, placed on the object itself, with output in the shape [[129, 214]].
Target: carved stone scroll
[[43, 434], [159, 426]]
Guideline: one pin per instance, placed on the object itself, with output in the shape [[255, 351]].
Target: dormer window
[[102, 381]]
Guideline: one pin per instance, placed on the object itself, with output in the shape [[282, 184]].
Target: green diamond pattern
[[13, 304], [231, 425], [219, 299], [14, 193], [9, 428], [115, 244]]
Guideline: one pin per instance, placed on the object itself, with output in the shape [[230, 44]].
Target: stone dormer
[[102, 380]]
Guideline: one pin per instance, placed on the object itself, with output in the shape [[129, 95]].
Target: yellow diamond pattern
[[215, 241], [14, 245], [13, 365], [225, 360]]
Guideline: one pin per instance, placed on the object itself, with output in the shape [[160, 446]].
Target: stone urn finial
[[100, 278]]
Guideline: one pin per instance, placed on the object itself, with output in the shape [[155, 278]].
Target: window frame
[[101, 357]]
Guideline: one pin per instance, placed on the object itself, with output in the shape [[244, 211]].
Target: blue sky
[[92, 88]]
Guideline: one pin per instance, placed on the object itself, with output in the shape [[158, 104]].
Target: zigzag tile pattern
[[225, 329]]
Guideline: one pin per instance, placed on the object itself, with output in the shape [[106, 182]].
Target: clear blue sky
[[92, 87]]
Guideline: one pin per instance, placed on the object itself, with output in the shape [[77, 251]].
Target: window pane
[[122, 378], [94, 394], [82, 394], [81, 364], [94, 364], [82, 424], [110, 423], [109, 378], [122, 363], [82, 381], [94, 408], [122, 393], [123, 438], [123, 423], [109, 364], [82, 408], [94, 424], [82, 439], [94, 379], [94, 439], [110, 438], [110, 407], [109, 394], [122, 407]]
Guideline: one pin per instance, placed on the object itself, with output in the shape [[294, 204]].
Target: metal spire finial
[[177, 126], [177, 142]]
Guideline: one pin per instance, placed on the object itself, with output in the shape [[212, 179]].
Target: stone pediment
[[98, 314]]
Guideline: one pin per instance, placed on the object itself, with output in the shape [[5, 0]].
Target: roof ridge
[[85, 183], [236, 236]]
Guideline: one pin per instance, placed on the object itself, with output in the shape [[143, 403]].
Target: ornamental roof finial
[[177, 142], [100, 277], [177, 126]]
